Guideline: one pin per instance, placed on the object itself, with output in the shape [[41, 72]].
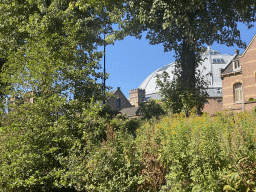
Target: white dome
[[213, 61], [149, 84]]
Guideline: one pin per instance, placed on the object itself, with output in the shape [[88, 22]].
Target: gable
[[120, 94], [251, 46], [229, 68], [118, 100]]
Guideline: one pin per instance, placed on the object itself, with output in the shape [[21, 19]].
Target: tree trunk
[[2, 91], [2, 62], [188, 66]]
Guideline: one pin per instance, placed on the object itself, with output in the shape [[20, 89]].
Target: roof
[[131, 111], [153, 96], [212, 62], [113, 92], [149, 84], [229, 68]]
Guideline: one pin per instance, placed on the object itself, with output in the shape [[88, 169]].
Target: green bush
[[174, 153], [36, 149], [197, 153], [111, 166], [150, 109], [251, 99]]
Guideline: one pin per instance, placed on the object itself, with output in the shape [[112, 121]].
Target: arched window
[[238, 93]]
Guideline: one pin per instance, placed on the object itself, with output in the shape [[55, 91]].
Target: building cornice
[[231, 73]]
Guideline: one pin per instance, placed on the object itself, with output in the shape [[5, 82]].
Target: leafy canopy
[[51, 57]]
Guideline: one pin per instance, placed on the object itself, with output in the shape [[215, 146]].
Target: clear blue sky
[[131, 60]]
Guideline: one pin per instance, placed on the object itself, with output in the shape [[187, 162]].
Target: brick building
[[239, 80], [118, 101], [137, 96]]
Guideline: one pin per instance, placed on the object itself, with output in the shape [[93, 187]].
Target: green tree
[[176, 99], [186, 26], [50, 49], [149, 109]]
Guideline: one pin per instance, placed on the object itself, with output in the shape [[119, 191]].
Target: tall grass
[[175, 153], [199, 153]]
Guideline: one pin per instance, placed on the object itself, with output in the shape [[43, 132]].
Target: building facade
[[137, 96], [18, 100], [118, 101], [239, 80]]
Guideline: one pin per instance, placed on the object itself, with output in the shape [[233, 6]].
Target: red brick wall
[[228, 90], [247, 78], [213, 105], [248, 63]]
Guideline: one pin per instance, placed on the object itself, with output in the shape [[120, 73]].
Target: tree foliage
[[152, 108], [64, 138], [50, 53], [186, 26], [177, 99]]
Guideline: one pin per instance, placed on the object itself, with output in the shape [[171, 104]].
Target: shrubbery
[[251, 99], [151, 108], [174, 153]]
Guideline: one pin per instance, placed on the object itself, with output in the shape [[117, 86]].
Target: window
[[236, 65], [118, 102], [218, 60], [238, 93], [220, 101]]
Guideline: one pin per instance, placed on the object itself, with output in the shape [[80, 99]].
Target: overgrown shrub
[[111, 166], [195, 153], [175, 153], [152, 108]]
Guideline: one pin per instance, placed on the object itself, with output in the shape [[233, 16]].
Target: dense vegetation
[[65, 139], [174, 153]]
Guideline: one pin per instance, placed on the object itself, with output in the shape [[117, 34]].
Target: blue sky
[[131, 60]]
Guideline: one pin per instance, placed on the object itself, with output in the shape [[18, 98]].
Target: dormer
[[235, 62], [236, 65]]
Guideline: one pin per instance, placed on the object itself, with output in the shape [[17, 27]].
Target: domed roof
[[212, 62], [149, 84]]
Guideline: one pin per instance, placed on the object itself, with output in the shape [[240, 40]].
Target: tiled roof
[[131, 111]]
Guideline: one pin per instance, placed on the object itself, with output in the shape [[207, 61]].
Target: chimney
[[118, 88], [236, 51], [137, 96]]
